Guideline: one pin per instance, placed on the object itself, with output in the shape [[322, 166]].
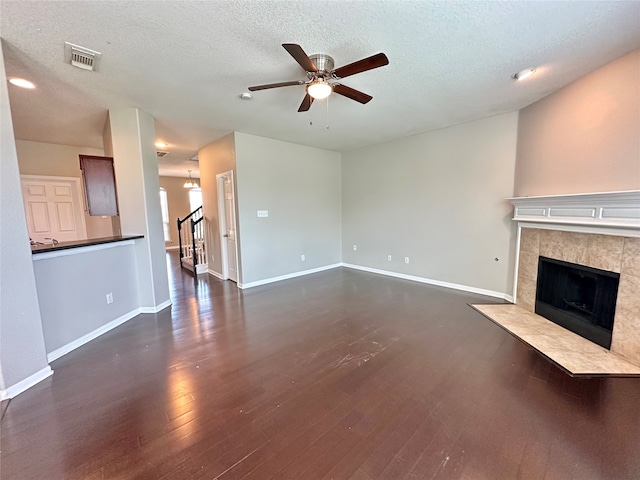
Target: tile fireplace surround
[[599, 230]]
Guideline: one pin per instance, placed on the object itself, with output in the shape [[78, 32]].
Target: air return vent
[[162, 154], [81, 57]]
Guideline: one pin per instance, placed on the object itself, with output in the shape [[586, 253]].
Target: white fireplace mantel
[[597, 230], [605, 209]]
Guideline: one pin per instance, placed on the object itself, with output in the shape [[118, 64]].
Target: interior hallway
[[341, 374]]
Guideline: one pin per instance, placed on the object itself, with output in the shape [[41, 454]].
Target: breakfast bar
[[85, 288]]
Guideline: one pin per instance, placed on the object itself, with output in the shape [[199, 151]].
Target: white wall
[[37, 158], [585, 137], [300, 187], [439, 199], [72, 290], [22, 349]]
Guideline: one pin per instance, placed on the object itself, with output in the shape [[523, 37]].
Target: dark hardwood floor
[[337, 375]]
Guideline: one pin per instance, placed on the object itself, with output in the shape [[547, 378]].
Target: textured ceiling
[[186, 63]]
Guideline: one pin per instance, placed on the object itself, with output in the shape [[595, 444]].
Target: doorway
[[227, 223], [54, 208]]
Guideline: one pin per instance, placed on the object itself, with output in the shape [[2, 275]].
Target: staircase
[[193, 256]]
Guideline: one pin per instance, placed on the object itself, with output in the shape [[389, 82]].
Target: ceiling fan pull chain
[[327, 113]]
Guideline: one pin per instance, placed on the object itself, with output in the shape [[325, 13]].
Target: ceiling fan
[[323, 79]]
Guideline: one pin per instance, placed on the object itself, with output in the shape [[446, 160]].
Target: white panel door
[[230, 223], [53, 207]]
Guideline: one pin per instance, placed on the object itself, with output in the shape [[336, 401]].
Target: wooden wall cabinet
[[99, 180]]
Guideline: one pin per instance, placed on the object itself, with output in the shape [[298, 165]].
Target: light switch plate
[[263, 213]]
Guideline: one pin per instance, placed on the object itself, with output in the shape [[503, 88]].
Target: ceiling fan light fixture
[[319, 90]]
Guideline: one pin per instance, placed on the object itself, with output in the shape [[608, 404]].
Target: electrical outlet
[[212, 257], [389, 257], [303, 258], [406, 259], [109, 298], [355, 247]]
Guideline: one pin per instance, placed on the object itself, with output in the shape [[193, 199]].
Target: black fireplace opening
[[579, 298]]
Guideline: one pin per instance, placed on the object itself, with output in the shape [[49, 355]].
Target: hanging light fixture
[[190, 183]]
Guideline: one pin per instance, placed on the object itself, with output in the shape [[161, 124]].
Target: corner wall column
[[129, 137]]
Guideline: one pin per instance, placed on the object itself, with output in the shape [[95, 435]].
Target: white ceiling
[[186, 63]]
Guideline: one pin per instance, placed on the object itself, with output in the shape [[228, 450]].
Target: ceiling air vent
[[162, 154], [81, 57]]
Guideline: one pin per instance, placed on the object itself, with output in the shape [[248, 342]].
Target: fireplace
[[579, 298], [600, 231]]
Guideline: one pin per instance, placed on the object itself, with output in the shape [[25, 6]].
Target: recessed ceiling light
[[246, 96], [161, 145], [21, 82], [522, 74]]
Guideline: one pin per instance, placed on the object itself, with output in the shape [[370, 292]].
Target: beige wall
[[178, 199], [300, 187], [439, 199], [217, 157], [584, 137], [36, 158]]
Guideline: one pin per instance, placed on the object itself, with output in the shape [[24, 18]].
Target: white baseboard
[[25, 384], [288, 276], [201, 268], [215, 274], [157, 308], [78, 342], [455, 286]]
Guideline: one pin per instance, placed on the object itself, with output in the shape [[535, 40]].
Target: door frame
[[76, 192], [222, 224]]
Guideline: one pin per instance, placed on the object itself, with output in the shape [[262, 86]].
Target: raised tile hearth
[[596, 230], [576, 355]]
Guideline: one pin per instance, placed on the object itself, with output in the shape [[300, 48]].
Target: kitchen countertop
[[35, 249]]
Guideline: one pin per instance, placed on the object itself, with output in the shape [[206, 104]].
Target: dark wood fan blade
[[299, 56], [276, 85], [306, 103], [369, 63], [352, 93]]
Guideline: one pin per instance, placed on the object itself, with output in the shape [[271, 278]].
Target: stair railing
[[191, 238]]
